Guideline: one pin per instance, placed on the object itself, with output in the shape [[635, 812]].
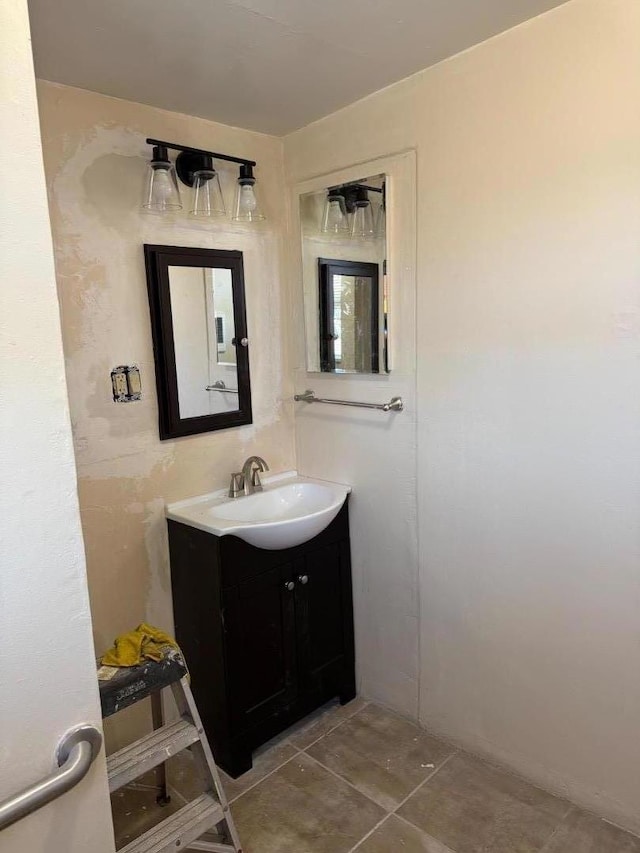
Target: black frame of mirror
[[158, 259], [327, 267]]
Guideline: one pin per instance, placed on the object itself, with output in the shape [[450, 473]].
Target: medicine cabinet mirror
[[344, 244], [199, 327]]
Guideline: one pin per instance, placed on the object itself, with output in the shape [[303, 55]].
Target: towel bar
[[395, 404]]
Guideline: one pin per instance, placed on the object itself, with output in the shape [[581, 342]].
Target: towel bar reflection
[[220, 386], [395, 404]]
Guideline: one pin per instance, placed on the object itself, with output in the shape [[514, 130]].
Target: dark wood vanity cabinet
[[267, 635]]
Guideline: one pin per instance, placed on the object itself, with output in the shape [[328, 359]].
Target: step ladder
[[192, 827]]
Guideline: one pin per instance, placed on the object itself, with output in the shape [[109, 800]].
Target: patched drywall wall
[[95, 154], [528, 412]]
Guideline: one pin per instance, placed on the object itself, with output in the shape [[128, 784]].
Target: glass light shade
[[247, 207], [362, 227], [334, 216], [161, 193], [207, 199]]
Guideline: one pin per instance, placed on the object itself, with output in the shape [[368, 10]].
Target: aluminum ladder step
[[212, 846], [145, 754], [179, 830]]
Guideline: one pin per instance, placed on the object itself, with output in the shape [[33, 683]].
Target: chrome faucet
[[247, 481], [251, 473]]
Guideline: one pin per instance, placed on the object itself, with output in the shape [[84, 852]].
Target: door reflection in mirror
[[203, 329], [348, 316]]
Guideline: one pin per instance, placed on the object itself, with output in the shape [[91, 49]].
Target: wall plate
[[125, 383]]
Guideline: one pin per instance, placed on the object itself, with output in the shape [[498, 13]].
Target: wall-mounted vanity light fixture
[[161, 193], [348, 212], [199, 174], [247, 208], [195, 168]]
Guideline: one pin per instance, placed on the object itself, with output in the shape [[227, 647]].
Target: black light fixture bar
[[351, 191], [202, 152], [357, 186], [369, 189]]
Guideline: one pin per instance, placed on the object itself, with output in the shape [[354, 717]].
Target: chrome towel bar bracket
[[75, 754], [395, 404]]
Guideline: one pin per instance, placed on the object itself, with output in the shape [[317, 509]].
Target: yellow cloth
[[145, 643]]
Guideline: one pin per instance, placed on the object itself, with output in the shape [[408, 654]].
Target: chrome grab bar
[[220, 386], [75, 754], [395, 404]]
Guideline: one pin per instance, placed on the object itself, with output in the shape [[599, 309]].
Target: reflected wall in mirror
[[200, 341], [344, 277], [203, 328]]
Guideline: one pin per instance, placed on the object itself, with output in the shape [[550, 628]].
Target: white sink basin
[[289, 511]]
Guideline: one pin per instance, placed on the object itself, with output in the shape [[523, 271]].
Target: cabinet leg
[[347, 694], [236, 762]]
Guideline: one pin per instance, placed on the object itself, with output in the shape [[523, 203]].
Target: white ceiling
[[268, 65]]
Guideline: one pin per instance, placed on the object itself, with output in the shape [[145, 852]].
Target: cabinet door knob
[[303, 579], [289, 585]]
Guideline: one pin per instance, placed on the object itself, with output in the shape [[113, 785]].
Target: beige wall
[[95, 157], [528, 475]]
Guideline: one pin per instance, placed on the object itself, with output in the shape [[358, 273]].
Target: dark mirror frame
[[158, 259], [327, 268]]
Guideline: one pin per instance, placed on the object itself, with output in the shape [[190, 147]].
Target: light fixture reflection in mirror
[[344, 277], [362, 227], [334, 215]]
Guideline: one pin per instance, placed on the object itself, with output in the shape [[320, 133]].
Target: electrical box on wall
[[125, 383]]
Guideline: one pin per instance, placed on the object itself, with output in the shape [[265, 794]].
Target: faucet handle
[[236, 486], [255, 480]]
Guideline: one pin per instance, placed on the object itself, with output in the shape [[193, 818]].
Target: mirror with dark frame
[[199, 327], [345, 286]]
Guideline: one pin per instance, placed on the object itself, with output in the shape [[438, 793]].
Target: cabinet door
[[324, 617], [259, 626]]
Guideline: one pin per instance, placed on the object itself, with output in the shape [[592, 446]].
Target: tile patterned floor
[[358, 778]]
